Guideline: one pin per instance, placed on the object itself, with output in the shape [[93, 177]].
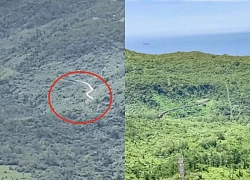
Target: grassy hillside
[[213, 139], [10, 173]]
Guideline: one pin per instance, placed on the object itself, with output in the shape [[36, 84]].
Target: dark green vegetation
[[39, 41], [214, 139]]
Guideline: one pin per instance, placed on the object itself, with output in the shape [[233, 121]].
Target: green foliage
[[213, 139], [169, 80]]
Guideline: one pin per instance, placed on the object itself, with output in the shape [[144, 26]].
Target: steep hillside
[[166, 81], [213, 138], [39, 41]]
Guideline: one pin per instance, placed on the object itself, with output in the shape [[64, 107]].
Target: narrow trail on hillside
[[197, 103]]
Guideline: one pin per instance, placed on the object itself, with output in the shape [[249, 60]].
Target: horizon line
[[185, 35]]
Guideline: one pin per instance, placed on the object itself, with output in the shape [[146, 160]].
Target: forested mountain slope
[[39, 41], [213, 139]]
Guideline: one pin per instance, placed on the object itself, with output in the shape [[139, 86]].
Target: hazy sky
[[186, 17]]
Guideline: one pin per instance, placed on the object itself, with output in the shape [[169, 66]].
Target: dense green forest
[[213, 139]]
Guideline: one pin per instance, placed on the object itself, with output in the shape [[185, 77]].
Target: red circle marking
[[75, 122]]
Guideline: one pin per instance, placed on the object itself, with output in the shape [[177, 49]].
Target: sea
[[237, 44]]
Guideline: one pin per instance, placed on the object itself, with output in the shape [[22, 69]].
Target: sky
[[170, 18]]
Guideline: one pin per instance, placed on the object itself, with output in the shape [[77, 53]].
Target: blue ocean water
[[237, 44]]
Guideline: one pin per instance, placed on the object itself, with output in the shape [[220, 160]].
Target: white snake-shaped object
[[90, 87]]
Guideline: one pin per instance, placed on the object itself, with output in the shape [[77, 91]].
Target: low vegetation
[[11, 173]]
